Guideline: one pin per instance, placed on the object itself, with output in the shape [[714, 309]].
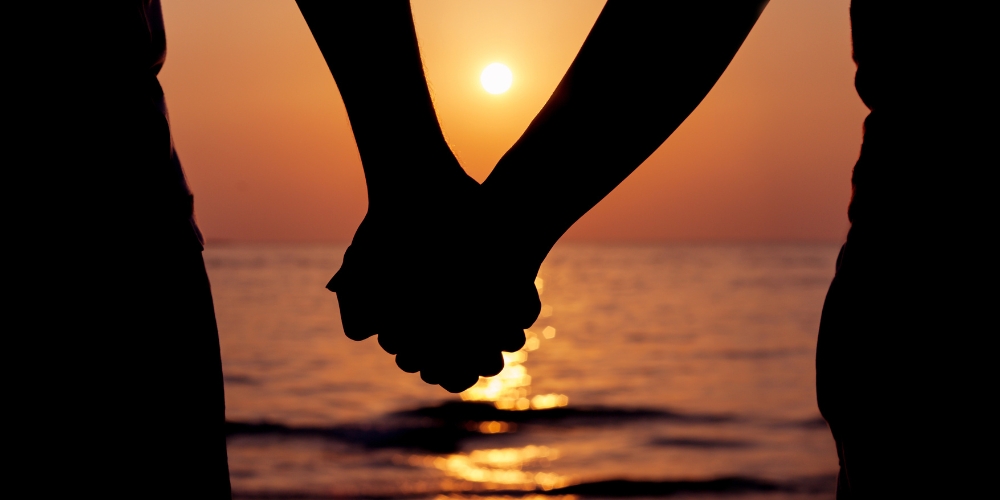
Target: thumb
[[334, 284]]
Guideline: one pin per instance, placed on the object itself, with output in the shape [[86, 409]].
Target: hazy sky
[[268, 150]]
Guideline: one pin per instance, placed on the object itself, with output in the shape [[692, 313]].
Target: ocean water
[[680, 370]]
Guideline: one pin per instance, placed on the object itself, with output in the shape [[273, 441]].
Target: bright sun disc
[[496, 78]]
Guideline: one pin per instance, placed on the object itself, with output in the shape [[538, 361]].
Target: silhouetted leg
[[185, 396], [852, 372], [893, 377]]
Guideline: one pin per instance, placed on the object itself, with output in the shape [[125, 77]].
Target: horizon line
[[629, 242]]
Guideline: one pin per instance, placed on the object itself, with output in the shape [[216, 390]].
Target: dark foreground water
[[682, 371]]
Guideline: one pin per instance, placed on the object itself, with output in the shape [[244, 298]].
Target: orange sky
[[269, 153]]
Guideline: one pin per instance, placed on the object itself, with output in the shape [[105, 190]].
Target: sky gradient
[[268, 150]]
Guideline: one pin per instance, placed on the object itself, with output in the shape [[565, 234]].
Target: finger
[[334, 283], [528, 306], [409, 362], [343, 275], [392, 342], [431, 374], [509, 339], [491, 364], [355, 317], [460, 381]]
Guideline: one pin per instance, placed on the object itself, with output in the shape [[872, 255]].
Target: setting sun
[[496, 78]]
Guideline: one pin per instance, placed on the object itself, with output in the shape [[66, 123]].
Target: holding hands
[[439, 294], [442, 268]]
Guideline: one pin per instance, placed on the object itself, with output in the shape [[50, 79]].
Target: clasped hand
[[440, 286]]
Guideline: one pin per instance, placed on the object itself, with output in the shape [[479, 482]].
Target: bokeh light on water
[[511, 388], [507, 468], [504, 468]]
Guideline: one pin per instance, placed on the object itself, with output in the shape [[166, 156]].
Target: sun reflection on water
[[501, 468], [491, 427], [506, 497], [505, 468], [511, 388]]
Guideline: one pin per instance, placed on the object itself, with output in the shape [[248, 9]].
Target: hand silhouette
[[427, 279], [442, 269], [420, 272]]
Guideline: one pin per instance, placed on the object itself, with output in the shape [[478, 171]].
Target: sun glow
[[496, 78]]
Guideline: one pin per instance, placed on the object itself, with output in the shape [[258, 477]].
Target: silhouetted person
[[121, 375], [899, 368]]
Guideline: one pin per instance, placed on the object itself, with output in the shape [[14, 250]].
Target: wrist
[[514, 240], [416, 178]]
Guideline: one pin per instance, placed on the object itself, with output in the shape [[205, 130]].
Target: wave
[[733, 486], [700, 443], [758, 354], [629, 488], [463, 411], [430, 438], [442, 428]]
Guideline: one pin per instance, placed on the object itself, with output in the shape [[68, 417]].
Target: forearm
[[371, 49], [642, 70]]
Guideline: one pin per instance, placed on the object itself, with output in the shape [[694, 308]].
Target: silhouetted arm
[[408, 276], [371, 49], [412, 176], [642, 70]]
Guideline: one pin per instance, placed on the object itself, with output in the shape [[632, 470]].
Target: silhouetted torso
[[123, 374], [897, 360]]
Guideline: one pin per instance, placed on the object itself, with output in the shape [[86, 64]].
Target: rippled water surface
[[655, 370]]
